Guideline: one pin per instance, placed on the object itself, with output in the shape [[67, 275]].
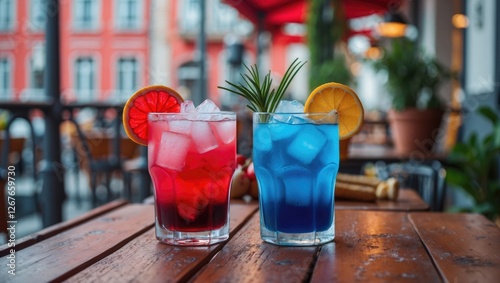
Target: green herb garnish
[[260, 96]]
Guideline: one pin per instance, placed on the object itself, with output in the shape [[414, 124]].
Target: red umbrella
[[279, 12]]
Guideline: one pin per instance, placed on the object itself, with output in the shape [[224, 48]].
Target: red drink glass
[[191, 160]]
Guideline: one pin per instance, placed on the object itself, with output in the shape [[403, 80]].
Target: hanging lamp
[[394, 25]]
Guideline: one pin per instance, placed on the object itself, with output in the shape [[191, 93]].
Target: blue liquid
[[296, 166]]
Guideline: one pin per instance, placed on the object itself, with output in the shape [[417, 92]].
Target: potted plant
[[475, 169], [412, 82]]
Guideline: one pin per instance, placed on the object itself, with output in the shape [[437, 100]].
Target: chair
[[96, 155], [428, 179], [138, 166]]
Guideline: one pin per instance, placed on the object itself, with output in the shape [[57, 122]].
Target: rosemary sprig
[[259, 94]]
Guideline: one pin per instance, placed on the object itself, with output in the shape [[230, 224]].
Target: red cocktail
[[192, 157]]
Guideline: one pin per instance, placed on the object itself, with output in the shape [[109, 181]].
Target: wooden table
[[116, 243], [408, 200]]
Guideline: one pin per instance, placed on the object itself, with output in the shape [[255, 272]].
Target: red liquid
[[213, 217], [193, 200], [196, 197]]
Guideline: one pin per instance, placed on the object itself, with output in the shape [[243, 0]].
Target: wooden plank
[[58, 228], [464, 247], [373, 246], [246, 258], [71, 251], [408, 200], [147, 260]]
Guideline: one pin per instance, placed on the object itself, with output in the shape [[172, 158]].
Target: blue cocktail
[[296, 158]]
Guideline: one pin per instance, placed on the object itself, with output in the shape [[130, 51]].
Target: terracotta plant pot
[[414, 131]]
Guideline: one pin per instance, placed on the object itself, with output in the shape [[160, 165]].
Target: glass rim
[[316, 118], [192, 113], [192, 116], [291, 113]]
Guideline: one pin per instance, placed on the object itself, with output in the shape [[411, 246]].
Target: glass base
[[203, 238], [298, 239]]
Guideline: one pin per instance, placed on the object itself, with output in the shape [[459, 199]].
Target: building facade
[[110, 48]]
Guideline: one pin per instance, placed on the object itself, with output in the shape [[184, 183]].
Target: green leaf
[[461, 180], [496, 136], [484, 208], [259, 94], [476, 170], [460, 149], [494, 186], [473, 140], [457, 209], [489, 114]]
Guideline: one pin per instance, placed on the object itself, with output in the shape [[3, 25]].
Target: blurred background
[[395, 54]]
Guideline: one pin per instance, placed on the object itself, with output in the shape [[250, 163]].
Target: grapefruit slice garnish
[[150, 99]]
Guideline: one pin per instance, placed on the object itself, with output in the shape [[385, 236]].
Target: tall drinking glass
[[296, 159], [191, 160]]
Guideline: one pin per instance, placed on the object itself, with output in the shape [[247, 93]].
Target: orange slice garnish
[[341, 98]]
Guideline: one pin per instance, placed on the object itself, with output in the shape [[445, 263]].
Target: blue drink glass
[[296, 159]]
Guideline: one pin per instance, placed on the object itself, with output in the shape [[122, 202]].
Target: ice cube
[[290, 106], [226, 130], [262, 138], [298, 182], [187, 106], [281, 118], [172, 150], [203, 137], [288, 118], [281, 131], [207, 106], [307, 144], [331, 151], [180, 126], [278, 160], [299, 119]]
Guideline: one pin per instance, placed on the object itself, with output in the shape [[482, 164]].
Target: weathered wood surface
[[370, 246], [145, 259], [408, 200], [247, 259], [373, 246], [73, 250], [464, 247], [58, 228]]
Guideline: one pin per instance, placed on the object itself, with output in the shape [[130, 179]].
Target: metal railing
[[50, 170]]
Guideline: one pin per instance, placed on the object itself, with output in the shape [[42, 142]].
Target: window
[[85, 77], [38, 14], [127, 80], [189, 17], [189, 75], [86, 14], [37, 75], [128, 14], [7, 13], [37, 68], [224, 16], [34, 89], [5, 77], [220, 18]]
